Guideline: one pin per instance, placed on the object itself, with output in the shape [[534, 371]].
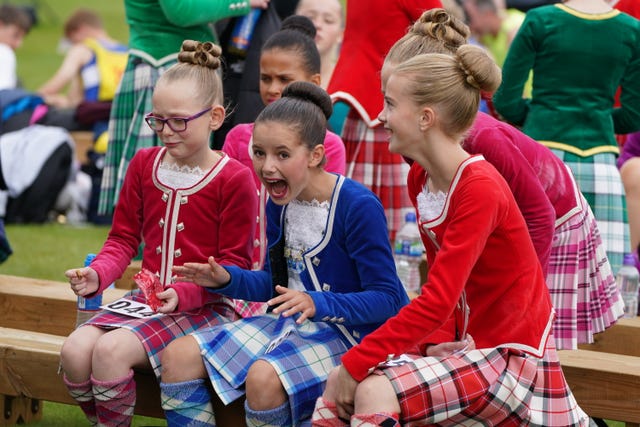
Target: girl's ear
[[315, 79], [317, 155], [427, 118], [216, 117]]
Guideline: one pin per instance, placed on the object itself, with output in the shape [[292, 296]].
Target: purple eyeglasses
[[176, 124]]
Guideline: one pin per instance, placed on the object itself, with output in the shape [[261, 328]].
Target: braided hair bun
[[442, 26], [205, 54]]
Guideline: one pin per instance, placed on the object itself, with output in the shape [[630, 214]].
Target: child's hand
[[170, 299], [210, 275], [290, 302], [346, 393], [83, 281], [448, 348]]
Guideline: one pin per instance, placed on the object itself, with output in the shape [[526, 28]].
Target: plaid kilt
[[581, 284], [156, 333], [370, 162], [599, 180], [495, 386], [302, 355], [128, 131]]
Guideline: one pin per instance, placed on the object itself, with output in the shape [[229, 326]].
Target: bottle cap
[[410, 217], [629, 259], [88, 259]]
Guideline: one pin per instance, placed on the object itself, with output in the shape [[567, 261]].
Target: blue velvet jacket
[[350, 274]]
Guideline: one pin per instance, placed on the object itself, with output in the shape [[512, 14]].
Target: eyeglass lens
[[175, 124]]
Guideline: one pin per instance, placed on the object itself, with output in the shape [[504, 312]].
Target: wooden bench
[[41, 305], [37, 315], [29, 370], [605, 376], [621, 338], [606, 385]]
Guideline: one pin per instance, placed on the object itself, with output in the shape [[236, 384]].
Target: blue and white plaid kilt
[[599, 180], [302, 355]]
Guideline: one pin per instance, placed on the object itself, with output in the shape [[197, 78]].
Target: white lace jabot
[[175, 176], [430, 205], [305, 224]]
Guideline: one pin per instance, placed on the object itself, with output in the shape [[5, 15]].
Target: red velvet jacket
[[216, 217], [479, 249]]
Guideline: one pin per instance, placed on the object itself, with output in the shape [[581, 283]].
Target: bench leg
[[19, 410]]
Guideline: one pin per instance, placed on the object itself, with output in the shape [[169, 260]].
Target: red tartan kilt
[[495, 386]]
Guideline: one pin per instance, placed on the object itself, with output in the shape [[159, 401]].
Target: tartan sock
[[379, 419], [83, 394], [325, 414], [115, 400], [187, 403], [277, 417]]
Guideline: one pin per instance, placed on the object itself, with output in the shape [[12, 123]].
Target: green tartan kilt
[[600, 183]]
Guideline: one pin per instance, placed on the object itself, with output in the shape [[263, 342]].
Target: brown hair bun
[[310, 92]]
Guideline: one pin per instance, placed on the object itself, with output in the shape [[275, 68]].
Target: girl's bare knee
[[77, 352], [330, 391], [181, 361], [263, 386], [376, 394], [118, 351]]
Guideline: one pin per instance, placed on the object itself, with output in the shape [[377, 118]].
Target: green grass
[[56, 414], [45, 251]]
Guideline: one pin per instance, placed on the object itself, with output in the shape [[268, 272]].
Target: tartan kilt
[[495, 386], [128, 131], [599, 180], [302, 355], [370, 162], [580, 280], [156, 333]]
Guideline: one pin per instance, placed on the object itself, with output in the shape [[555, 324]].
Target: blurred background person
[[328, 18], [580, 52]]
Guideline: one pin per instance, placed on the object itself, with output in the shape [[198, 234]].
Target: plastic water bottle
[[408, 254], [242, 33], [87, 307], [627, 281]]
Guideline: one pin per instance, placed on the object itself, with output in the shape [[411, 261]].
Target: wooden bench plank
[[605, 385], [41, 305], [621, 338], [29, 364]]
